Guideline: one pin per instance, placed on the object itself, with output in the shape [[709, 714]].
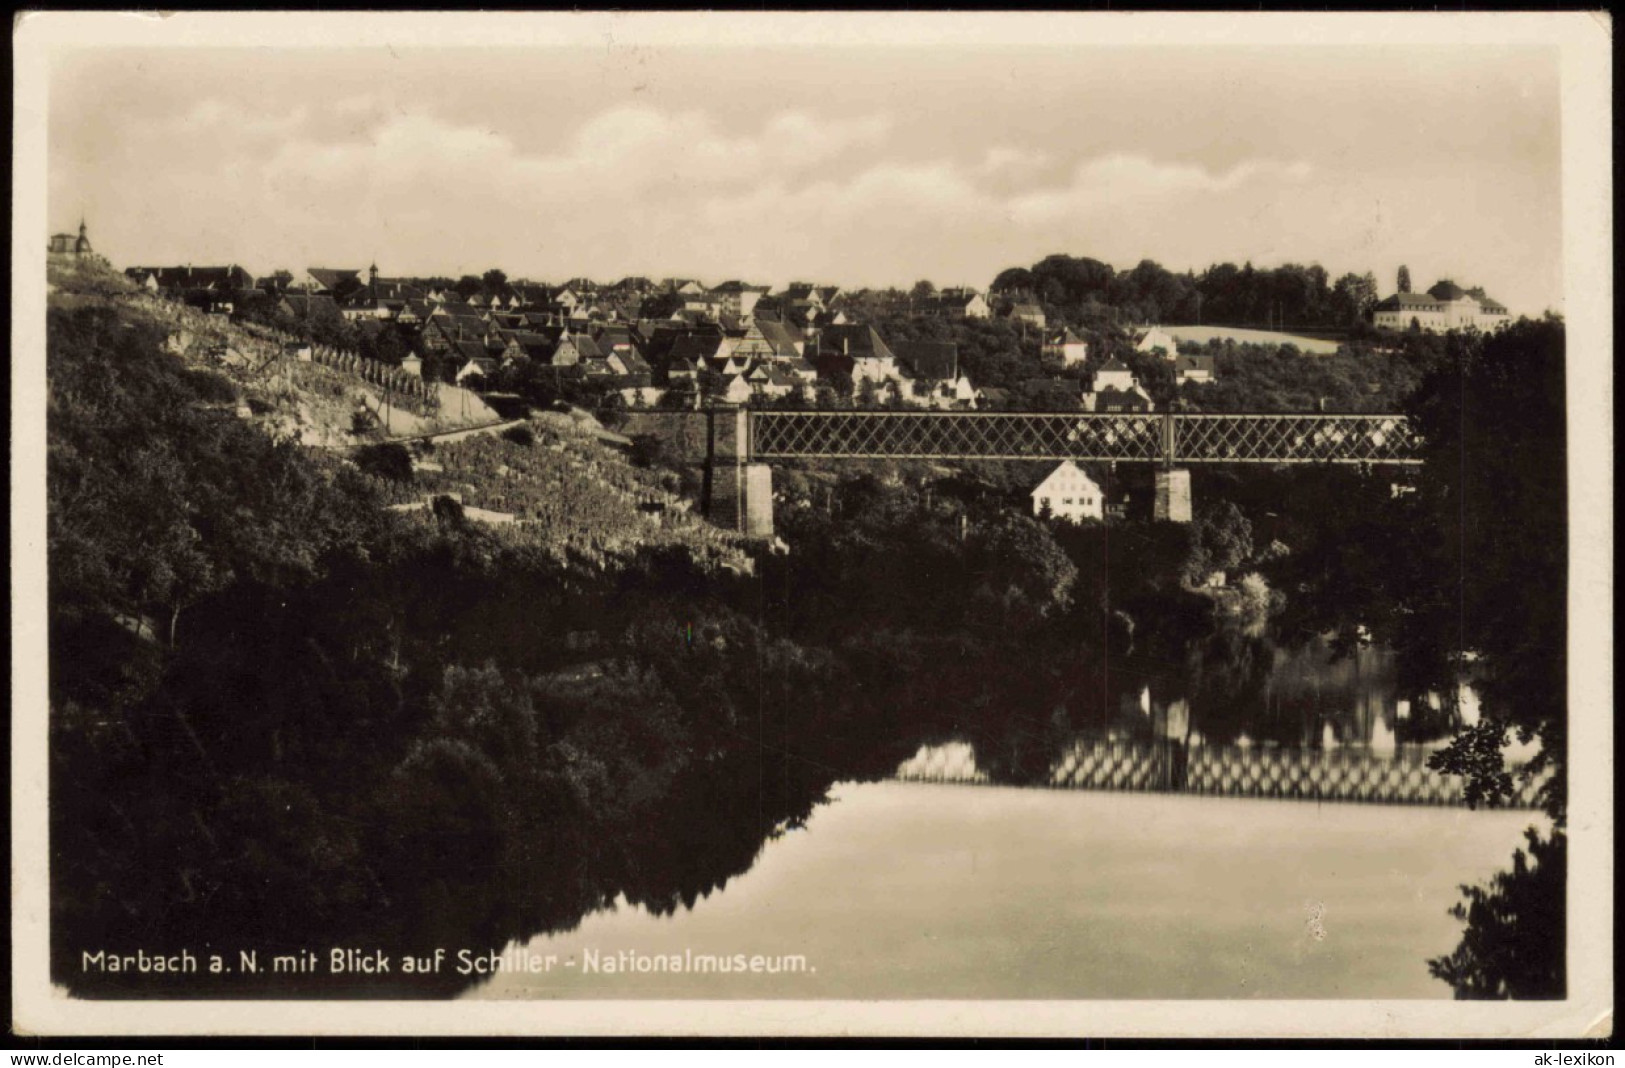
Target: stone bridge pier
[[737, 493], [1173, 495]]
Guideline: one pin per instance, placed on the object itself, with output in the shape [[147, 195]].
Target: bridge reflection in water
[[1168, 765]]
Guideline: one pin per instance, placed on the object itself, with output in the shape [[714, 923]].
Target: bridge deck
[[1179, 437]]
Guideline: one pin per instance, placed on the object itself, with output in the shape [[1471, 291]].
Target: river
[[908, 889]]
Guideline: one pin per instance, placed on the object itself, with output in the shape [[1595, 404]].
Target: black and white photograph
[[746, 523]]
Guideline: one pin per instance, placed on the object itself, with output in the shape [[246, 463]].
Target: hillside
[[549, 484], [314, 404]]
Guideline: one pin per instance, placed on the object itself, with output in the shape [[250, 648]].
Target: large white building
[[1444, 307], [1069, 493]]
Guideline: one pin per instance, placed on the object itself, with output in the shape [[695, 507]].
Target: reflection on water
[[1245, 690], [900, 890], [1156, 875], [1240, 717]]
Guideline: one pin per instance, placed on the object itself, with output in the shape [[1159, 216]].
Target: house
[[626, 362], [210, 288], [767, 380], [933, 370], [1444, 307], [578, 349], [992, 398], [1112, 399], [737, 298], [446, 330], [800, 369], [414, 312], [736, 390], [765, 339], [633, 287], [532, 296], [1197, 369], [803, 314], [1065, 346], [696, 349], [1114, 374], [145, 277], [337, 282], [307, 306], [1069, 493], [801, 293], [617, 341], [1157, 340], [1031, 314], [527, 345], [858, 351], [412, 364], [472, 361], [962, 304]]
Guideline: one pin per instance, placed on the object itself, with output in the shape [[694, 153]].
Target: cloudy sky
[[856, 164]]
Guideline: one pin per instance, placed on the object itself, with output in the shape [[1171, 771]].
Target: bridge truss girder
[[1176, 438]]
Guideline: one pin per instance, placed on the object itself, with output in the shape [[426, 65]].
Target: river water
[[906, 889], [909, 890]]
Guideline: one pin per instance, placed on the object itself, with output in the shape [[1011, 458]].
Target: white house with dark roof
[[1446, 306], [962, 303], [1157, 340], [1115, 389], [1115, 374], [1069, 493], [1065, 346]]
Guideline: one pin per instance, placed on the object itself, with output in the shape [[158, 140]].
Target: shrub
[[448, 509], [520, 435], [392, 462], [648, 450], [211, 387]]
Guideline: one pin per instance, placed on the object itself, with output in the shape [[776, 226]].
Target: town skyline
[[864, 167]]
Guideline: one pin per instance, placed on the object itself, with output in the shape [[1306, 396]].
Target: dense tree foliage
[[1263, 378], [1494, 493], [1089, 293], [1516, 929]]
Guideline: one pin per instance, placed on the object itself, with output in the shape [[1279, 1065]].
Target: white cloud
[[1119, 181], [1003, 160]]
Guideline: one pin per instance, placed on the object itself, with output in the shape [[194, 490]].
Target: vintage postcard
[[812, 524]]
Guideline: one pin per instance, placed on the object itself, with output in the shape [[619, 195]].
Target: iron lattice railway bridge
[[741, 443], [1170, 438]]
